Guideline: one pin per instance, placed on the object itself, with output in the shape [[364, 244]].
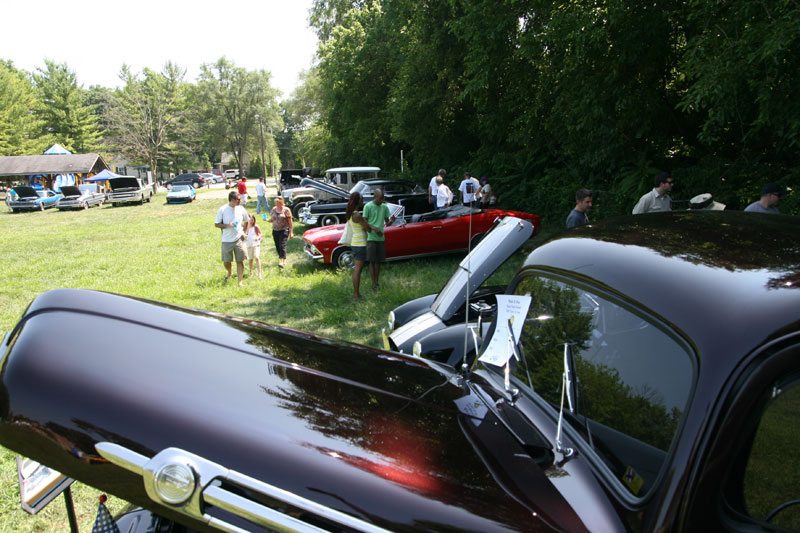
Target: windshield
[[633, 378], [181, 188]]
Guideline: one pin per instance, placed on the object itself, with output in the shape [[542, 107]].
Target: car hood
[[124, 183], [500, 243], [70, 190], [368, 433], [325, 187], [23, 191]]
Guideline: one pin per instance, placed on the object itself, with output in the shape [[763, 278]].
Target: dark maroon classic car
[[654, 386], [453, 229]]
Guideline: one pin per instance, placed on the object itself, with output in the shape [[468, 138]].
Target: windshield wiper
[[569, 390]]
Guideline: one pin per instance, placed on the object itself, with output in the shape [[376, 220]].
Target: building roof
[[24, 165]]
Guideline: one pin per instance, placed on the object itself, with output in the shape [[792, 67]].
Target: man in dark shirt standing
[[583, 201]]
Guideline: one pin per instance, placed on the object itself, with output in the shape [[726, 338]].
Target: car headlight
[[416, 349], [174, 483], [390, 323]]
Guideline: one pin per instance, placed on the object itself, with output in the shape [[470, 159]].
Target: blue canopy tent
[[103, 176]]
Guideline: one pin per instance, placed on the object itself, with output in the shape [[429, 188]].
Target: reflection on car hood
[[23, 191], [123, 183], [498, 245], [325, 187], [369, 433]]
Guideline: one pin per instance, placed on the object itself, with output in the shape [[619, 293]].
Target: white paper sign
[[509, 307]]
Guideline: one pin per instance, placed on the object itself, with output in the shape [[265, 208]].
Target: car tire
[[15, 210], [343, 258], [196, 184], [478, 237], [296, 209], [329, 220]]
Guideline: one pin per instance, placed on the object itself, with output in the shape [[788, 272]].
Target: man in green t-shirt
[[376, 213]]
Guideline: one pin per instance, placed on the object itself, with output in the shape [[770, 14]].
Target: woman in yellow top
[[359, 241]]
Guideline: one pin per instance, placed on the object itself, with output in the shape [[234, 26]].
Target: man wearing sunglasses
[[658, 199]]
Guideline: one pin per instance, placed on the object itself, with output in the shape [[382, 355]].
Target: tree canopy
[[547, 97]]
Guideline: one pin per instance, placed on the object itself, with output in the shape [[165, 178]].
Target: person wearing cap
[[578, 216], [658, 199], [705, 202], [485, 193], [770, 196]]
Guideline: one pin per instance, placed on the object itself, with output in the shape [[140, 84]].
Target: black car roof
[[728, 281]]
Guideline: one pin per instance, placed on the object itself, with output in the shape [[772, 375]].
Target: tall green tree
[[20, 126], [231, 98], [68, 119], [149, 115]]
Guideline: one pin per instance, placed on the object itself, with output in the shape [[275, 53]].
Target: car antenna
[[467, 329]]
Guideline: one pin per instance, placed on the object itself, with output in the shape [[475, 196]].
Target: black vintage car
[[192, 178], [332, 211], [654, 385]]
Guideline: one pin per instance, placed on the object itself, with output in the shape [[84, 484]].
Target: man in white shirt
[[261, 198], [469, 189], [444, 197], [658, 199], [432, 186], [232, 219]]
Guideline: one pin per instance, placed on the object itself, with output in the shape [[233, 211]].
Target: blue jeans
[[261, 200]]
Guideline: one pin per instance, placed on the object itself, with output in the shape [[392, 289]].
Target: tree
[[149, 115], [231, 98], [67, 117], [20, 126]]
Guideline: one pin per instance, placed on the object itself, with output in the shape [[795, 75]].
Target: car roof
[[353, 169], [379, 181], [727, 281]]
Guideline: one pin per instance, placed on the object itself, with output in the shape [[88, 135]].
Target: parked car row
[[123, 190], [638, 374]]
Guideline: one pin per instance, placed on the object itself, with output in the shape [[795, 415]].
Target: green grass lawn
[[171, 253]]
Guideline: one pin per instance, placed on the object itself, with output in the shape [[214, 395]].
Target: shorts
[[235, 248], [360, 253], [254, 251], [376, 251]]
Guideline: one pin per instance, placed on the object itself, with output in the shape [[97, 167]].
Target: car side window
[[633, 376], [772, 475]]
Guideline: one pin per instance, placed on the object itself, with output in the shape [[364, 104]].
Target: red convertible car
[[453, 229]]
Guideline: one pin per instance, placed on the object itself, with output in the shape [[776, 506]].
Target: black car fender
[[412, 309], [449, 345]]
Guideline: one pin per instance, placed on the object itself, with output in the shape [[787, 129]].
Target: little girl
[[253, 243]]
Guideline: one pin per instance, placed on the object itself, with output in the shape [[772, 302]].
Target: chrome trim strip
[[302, 503], [123, 457], [209, 492], [255, 512]]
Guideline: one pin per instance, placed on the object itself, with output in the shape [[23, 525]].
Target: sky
[[94, 38]]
